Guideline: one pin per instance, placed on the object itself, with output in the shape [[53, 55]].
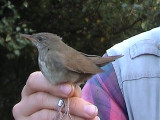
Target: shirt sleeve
[[103, 91]]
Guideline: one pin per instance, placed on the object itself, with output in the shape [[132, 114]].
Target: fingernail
[[90, 110], [97, 118], [66, 89]]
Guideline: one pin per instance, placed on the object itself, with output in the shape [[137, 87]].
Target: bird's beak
[[28, 37]]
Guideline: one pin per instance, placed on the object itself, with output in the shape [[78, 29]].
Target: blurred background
[[90, 26]]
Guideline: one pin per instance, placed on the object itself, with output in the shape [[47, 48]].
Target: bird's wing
[[80, 63], [76, 62]]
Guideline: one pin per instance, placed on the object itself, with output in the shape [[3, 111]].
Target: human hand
[[39, 101]]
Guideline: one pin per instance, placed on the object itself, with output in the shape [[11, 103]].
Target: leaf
[[25, 3], [17, 52]]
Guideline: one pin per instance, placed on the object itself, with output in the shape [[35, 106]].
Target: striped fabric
[[103, 91]]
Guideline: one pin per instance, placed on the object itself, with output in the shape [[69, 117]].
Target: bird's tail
[[101, 61]]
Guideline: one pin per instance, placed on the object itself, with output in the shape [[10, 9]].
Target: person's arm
[[103, 91], [39, 101]]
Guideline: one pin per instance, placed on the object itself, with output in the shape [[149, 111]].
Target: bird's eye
[[40, 39]]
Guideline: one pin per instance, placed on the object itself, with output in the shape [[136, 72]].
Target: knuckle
[[23, 91], [32, 79], [16, 110]]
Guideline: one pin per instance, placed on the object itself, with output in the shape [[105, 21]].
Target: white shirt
[[138, 73]]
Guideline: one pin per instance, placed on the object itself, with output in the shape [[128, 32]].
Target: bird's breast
[[55, 71]]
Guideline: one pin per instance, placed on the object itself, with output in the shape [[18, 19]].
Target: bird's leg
[[67, 109], [59, 115]]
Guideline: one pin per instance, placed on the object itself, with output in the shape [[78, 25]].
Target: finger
[[38, 83], [46, 114], [82, 108], [96, 118], [15, 111], [36, 102], [41, 100]]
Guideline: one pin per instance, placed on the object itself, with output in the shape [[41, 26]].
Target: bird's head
[[42, 40]]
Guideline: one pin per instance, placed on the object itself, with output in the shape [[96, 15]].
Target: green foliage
[[9, 30], [90, 26]]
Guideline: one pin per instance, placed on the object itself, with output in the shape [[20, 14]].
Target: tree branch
[[122, 29]]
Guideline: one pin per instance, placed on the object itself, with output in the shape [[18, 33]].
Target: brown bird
[[60, 63]]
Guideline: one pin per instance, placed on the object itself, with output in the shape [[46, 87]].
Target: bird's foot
[[59, 115], [67, 114]]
